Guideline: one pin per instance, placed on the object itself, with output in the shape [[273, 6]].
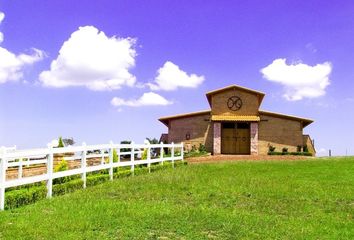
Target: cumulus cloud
[[91, 59], [147, 99], [11, 65], [170, 77], [299, 80]]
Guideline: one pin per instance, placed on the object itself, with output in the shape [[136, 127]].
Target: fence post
[[3, 166], [149, 156], [161, 154], [50, 158], [111, 161], [182, 152], [132, 167], [173, 154], [20, 164], [83, 165]]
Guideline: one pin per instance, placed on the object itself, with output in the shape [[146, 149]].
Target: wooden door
[[228, 138], [243, 138]]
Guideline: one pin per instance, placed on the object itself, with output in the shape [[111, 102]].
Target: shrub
[[284, 150], [115, 156], [60, 142], [271, 148], [202, 148], [305, 148], [31, 193], [144, 155], [298, 148], [62, 166], [71, 186], [24, 196]]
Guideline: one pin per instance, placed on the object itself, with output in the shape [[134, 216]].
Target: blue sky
[[107, 70]]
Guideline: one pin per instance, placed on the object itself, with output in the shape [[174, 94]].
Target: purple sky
[[204, 44]]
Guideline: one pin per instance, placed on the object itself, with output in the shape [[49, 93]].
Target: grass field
[[239, 200]]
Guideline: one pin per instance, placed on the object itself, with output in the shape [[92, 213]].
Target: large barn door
[[243, 138], [228, 138]]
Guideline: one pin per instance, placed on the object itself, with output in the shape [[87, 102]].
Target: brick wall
[[279, 132], [198, 127], [250, 103]]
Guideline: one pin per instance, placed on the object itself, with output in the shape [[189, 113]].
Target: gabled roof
[[211, 93], [165, 120], [305, 121]]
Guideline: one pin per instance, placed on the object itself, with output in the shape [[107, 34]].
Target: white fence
[[129, 152]]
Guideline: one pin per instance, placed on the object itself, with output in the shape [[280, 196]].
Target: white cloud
[[170, 77], [11, 65], [299, 80], [147, 99], [91, 59]]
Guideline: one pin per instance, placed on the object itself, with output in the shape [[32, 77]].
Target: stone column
[[254, 138], [217, 138]]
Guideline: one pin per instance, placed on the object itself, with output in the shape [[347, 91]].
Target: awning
[[238, 118]]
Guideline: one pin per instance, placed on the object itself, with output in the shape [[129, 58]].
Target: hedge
[[28, 194], [291, 153]]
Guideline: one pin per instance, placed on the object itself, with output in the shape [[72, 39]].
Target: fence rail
[[126, 155]]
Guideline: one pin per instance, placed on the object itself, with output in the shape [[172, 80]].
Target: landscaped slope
[[250, 200]]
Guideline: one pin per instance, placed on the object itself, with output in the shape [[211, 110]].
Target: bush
[[305, 148], [202, 148], [61, 189], [144, 155], [24, 196], [62, 166], [115, 156], [271, 148], [298, 148], [31, 193], [96, 179], [290, 153], [284, 151]]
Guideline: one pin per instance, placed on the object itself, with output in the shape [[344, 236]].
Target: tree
[[60, 142], [68, 141]]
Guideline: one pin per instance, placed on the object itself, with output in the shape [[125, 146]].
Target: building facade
[[234, 124]]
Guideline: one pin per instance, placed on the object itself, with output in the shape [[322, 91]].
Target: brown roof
[[165, 120], [211, 93], [305, 121]]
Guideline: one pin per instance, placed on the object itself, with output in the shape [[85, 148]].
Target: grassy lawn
[[240, 200]]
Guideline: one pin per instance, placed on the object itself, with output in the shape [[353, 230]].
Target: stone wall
[[254, 138], [279, 132], [199, 129], [217, 138]]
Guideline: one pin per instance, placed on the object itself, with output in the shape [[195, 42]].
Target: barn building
[[234, 124]]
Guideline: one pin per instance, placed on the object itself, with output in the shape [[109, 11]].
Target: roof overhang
[[305, 121], [237, 118], [166, 119]]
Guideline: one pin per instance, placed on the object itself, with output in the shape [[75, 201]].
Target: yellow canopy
[[236, 118]]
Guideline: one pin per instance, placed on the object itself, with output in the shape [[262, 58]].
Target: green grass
[[311, 199]]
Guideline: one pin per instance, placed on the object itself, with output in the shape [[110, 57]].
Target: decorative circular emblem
[[234, 103]]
